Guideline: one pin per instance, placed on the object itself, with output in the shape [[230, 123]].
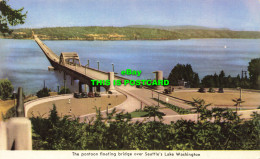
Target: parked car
[[166, 91], [91, 94], [97, 94], [139, 86], [202, 90], [77, 95], [84, 95]]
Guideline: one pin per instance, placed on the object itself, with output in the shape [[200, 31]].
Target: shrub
[[6, 89], [202, 90], [227, 132], [175, 108], [64, 91], [9, 114], [43, 92], [211, 90]]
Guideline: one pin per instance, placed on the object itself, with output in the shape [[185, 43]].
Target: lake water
[[23, 62]]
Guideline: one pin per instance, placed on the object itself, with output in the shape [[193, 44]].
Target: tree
[[6, 89], [10, 17], [254, 73], [183, 72], [200, 107], [176, 74], [153, 111], [208, 81], [216, 80], [196, 81], [221, 78], [236, 81], [54, 115]]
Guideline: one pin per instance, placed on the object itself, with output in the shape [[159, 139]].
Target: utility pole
[[113, 67], [245, 74], [86, 69], [98, 64]]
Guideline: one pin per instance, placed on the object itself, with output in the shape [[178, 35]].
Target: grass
[[137, 114], [175, 108], [5, 106]]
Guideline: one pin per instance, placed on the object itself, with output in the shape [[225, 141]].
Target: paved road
[[146, 95]]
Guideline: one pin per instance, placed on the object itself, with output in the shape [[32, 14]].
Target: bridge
[[69, 64]]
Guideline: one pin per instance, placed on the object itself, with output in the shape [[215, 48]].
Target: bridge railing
[[51, 55], [47, 50]]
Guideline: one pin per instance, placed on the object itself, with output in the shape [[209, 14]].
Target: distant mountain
[[177, 27]]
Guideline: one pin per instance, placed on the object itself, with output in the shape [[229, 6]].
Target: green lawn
[[138, 114]]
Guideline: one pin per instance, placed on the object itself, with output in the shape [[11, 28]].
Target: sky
[[232, 14]]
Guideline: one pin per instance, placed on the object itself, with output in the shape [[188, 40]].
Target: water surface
[[23, 62]]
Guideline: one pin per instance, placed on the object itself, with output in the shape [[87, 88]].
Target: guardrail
[[166, 94]]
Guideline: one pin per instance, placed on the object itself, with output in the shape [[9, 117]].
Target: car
[[77, 95], [139, 86], [91, 94], [97, 94], [84, 95], [166, 91]]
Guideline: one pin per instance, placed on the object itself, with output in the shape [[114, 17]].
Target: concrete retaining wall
[[35, 102]]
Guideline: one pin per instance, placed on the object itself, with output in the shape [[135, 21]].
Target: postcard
[[130, 78]]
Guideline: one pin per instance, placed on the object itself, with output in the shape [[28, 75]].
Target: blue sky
[[233, 14]]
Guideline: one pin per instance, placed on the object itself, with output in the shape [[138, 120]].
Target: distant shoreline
[[128, 33], [127, 40]]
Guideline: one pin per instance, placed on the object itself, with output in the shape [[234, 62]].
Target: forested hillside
[[129, 33]]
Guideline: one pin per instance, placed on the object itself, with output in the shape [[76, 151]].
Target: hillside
[[176, 27], [129, 33]]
